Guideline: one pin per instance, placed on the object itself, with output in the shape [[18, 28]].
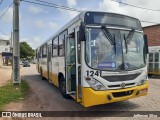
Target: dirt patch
[[14, 106], [29, 103], [5, 74]]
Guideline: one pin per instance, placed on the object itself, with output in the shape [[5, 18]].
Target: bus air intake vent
[[121, 77], [122, 94], [126, 85]]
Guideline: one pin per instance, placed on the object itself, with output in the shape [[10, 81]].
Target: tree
[[26, 51]]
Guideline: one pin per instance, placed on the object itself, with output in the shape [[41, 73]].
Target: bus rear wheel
[[62, 88], [43, 78]]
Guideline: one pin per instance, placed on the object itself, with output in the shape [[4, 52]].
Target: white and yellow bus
[[96, 58]]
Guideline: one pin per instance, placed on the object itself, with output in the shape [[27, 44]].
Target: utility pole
[[16, 49]]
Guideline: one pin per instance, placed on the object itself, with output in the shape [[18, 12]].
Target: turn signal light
[[144, 90]]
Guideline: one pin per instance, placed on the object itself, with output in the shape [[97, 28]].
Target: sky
[[38, 23]]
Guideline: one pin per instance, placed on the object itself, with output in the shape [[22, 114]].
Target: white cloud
[[34, 9], [34, 42], [141, 14], [27, 40], [39, 24], [71, 14], [36, 39], [71, 3], [110, 6], [68, 14], [53, 25]]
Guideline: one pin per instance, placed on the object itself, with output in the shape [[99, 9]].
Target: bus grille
[[122, 94], [126, 85], [121, 77]]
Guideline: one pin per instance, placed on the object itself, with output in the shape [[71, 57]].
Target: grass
[[12, 93]]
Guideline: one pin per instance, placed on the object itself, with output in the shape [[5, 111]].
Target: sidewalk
[[5, 74]]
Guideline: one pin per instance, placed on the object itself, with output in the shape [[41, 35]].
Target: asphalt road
[[46, 97]]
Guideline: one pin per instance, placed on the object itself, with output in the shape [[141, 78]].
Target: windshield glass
[[101, 54], [133, 51]]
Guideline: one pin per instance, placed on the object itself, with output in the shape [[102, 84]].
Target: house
[[153, 34], [5, 54]]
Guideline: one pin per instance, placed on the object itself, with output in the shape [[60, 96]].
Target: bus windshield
[[134, 56], [103, 55]]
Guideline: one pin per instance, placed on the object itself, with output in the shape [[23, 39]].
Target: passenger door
[[73, 65], [70, 65]]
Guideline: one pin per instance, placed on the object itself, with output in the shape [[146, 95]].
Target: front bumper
[[92, 97]]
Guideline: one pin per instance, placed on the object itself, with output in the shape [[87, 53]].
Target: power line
[[58, 5], [6, 10], [3, 15], [66, 7], [136, 6], [1, 1], [53, 5]]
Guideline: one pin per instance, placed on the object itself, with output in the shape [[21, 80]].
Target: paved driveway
[[46, 97]]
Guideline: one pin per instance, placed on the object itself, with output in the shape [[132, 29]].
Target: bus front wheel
[[62, 87]]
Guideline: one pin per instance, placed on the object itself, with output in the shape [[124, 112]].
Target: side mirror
[[146, 43], [82, 32]]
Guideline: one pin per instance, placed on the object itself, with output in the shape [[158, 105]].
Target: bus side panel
[[61, 63], [44, 68], [40, 65], [54, 73], [37, 66]]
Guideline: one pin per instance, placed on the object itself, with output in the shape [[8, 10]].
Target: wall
[[4, 47], [1, 60], [153, 35]]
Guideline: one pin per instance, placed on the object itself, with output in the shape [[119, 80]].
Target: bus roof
[[81, 17]]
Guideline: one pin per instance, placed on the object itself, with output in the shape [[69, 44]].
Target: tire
[[62, 88], [150, 75], [43, 78]]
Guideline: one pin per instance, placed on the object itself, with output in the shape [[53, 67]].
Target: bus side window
[[44, 51], [55, 47], [39, 53], [61, 45]]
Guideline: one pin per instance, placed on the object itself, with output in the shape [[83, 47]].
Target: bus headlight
[[94, 84], [143, 80]]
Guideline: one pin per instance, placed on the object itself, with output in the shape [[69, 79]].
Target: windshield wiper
[[109, 37], [128, 38], [125, 42]]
